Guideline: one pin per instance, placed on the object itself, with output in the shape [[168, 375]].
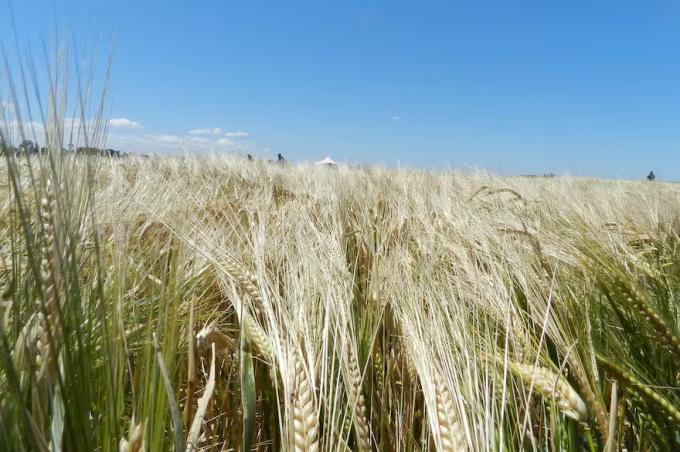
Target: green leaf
[[247, 390], [174, 409]]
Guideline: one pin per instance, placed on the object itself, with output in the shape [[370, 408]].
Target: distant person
[[651, 176], [250, 157], [280, 159]]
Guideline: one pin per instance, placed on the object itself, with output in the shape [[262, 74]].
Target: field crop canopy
[[218, 303]]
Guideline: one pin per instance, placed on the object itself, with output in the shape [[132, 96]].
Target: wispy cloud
[[171, 143], [13, 129], [395, 118], [124, 123], [215, 131], [172, 139], [236, 134], [206, 131], [129, 136]]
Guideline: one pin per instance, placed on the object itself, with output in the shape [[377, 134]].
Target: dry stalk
[[485, 190], [611, 445], [195, 430], [191, 368]]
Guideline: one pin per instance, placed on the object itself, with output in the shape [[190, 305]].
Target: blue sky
[[517, 87]]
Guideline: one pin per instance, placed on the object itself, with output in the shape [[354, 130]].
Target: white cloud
[[395, 118], [236, 134], [206, 131], [169, 143], [213, 131], [225, 142], [174, 139], [124, 123], [128, 136], [12, 129]]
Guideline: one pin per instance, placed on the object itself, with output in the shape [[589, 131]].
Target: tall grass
[[212, 303]]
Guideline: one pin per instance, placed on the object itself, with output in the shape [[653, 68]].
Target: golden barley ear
[[211, 334], [24, 352], [553, 387], [135, 440], [248, 283], [357, 401], [259, 338], [246, 280], [305, 420], [451, 433], [49, 329]]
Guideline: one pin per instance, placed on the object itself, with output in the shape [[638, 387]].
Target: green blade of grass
[[247, 390], [174, 409]]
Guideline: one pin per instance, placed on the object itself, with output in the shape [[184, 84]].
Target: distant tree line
[[28, 147]]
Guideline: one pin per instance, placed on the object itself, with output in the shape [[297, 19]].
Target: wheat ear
[[305, 421], [450, 432]]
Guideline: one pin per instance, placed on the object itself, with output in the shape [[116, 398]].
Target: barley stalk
[[191, 367]]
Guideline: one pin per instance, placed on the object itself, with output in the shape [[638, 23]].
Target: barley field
[[213, 303]]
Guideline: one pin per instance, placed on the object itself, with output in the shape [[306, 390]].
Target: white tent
[[327, 161]]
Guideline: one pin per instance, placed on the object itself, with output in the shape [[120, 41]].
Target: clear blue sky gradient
[[517, 87]]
